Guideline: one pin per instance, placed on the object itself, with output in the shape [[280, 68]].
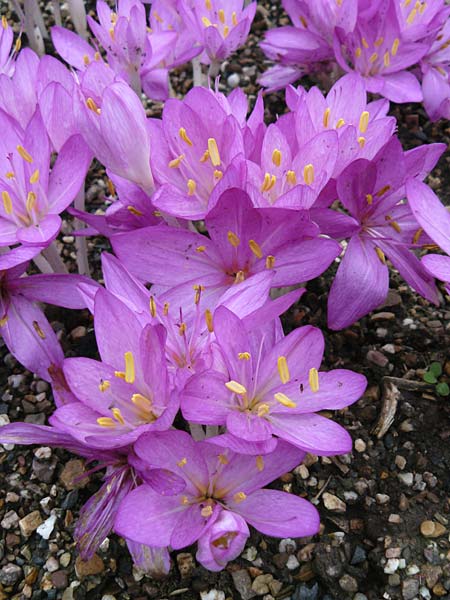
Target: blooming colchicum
[[193, 398]]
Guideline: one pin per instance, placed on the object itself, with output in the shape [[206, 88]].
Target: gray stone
[[348, 583], [10, 574], [410, 589], [243, 584]]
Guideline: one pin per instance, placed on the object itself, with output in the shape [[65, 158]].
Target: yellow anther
[[31, 201], [364, 121], [7, 202], [369, 199], [236, 387], [182, 329], [255, 248], [206, 511], [234, 18], [182, 462], [152, 306], [218, 174], [157, 17], [24, 154], [213, 152], [35, 177], [380, 255], [3, 321], [283, 369], [111, 33], [142, 403], [184, 136], [364, 43], [260, 463], [129, 367], [284, 400], [417, 235], [358, 52], [276, 157], [268, 182], [206, 22], [208, 4], [104, 385], [90, 103], [184, 500], [86, 59], [244, 355], [270, 262], [395, 226], [314, 379], [395, 45], [209, 320], [200, 249], [291, 177], [308, 174], [134, 211], [221, 15], [378, 42], [119, 374], [205, 156], [198, 292], [340, 123], [113, 17], [118, 415], [9, 175], [38, 330], [303, 21], [223, 459], [263, 409], [326, 117], [362, 141], [191, 186], [18, 45], [239, 277], [411, 16], [422, 8], [173, 164], [106, 422], [166, 309], [4, 22], [373, 58], [233, 239], [386, 59], [383, 190], [110, 186], [239, 497]]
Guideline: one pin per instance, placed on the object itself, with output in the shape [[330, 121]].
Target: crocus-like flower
[[434, 218], [272, 388], [244, 241], [32, 196], [8, 54], [222, 494], [436, 75], [128, 392], [382, 226]]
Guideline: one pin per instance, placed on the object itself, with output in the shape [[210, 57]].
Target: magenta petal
[[190, 526], [153, 561], [227, 440], [438, 266], [41, 234], [223, 540], [206, 400], [430, 213], [249, 427]]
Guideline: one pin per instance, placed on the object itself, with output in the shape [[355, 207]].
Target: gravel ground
[[385, 507]]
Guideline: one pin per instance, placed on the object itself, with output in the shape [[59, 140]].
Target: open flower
[[222, 494]]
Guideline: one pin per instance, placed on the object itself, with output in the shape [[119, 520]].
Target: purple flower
[[128, 392], [7, 56], [272, 387], [222, 494], [436, 75]]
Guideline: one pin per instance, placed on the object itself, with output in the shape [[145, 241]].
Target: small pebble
[[333, 503], [212, 595], [406, 478], [348, 583], [46, 528], [30, 523], [400, 461], [292, 563], [233, 80], [360, 445]]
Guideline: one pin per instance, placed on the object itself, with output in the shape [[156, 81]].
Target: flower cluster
[[400, 48], [197, 398]]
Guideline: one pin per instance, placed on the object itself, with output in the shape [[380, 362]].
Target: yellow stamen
[[326, 117], [369, 199], [223, 459], [7, 202], [411, 16], [270, 262], [233, 239], [142, 403], [218, 175], [417, 235], [303, 21], [31, 201], [9, 175], [166, 309], [255, 248], [191, 186], [206, 22], [134, 211], [38, 330], [110, 186], [152, 306], [395, 226], [276, 157], [129, 367], [173, 164], [184, 500], [395, 45], [182, 462], [4, 22], [362, 141], [214, 152], [386, 59], [383, 190], [236, 387], [234, 18], [119, 374], [106, 422], [205, 156], [90, 103], [283, 369], [97, 56], [18, 45], [24, 154], [200, 248], [314, 379], [118, 415], [104, 385], [291, 177], [206, 511], [239, 277], [209, 320], [263, 409], [35, 177], [268, 183], [308, 174], [86, 60], [111, 33], [3, 321], [284, 400], [182, 329], [244, 356], [373, 58], [239, 497], [208, 4], [379, 41], [340, 123], [364, 43], [380, 255], [221, 15], [364, 121], [422, 8], [358, 52], [260, 463], [184, 136]]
